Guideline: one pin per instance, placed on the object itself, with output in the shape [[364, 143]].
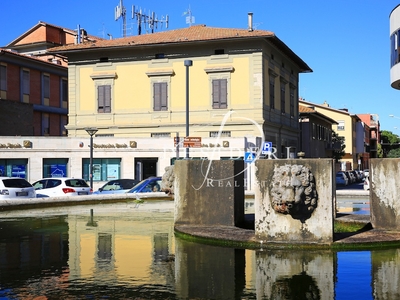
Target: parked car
[[116, 186], [341, 179], [356, 175], [16, 188], [366, 173], [151, 184], [350, 177], [61, 186], [366, 183]]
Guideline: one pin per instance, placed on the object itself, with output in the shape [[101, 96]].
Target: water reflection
[[119, 251]]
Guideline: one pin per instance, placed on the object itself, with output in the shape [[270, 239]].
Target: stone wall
[[385, 193], [209, 192], [294, 200]]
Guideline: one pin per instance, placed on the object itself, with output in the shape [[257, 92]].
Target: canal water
[[121, 251]]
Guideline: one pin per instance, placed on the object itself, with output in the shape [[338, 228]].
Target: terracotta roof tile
[[189, 34]]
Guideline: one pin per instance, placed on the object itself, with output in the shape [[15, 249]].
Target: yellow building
[[348, 126], [139, 86]]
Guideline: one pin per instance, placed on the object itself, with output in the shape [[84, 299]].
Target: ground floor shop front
[[34, 158]]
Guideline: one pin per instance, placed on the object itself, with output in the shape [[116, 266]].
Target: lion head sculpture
[[293, 191]]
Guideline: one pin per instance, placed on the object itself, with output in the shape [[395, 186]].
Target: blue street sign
[[266, 148], [249, 157]]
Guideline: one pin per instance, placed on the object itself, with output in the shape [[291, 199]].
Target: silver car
[[61, 186], [16, 188]]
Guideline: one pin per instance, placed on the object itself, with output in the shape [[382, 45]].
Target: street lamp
[[91, 131], [187, 63]]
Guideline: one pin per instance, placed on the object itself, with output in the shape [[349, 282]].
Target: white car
[[16, 188], [61, 186]]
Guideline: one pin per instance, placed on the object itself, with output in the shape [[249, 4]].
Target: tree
[[394, 153], [390, 142], [388, 137], [338, 146]]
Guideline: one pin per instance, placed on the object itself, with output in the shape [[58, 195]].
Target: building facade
[[346, 127], [34, 84], [231, 88], [245, 79]]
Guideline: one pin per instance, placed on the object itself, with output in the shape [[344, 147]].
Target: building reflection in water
[[123, 252]]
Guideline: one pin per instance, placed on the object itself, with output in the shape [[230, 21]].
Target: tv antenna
[[120, 12], [189, 18], [149, 19]]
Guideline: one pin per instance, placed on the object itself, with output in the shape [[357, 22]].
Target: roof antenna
[[150, 19], [189, 17], [120, 11]]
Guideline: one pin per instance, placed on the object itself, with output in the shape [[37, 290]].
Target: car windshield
[[16, 183]]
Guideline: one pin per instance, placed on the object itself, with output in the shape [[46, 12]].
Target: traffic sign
[[266, 148], [249, 157]]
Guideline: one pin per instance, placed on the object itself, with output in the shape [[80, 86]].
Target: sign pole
[[187, 63]]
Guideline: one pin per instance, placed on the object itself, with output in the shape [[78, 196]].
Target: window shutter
[[164, 96], [157, 96], [107, 99], [223, 94], [100, 98], [104, 98], [160, 96], [219, 93], [215, 93]]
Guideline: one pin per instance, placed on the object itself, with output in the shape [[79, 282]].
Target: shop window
[[55, 167], [14, 168], [104, 169]]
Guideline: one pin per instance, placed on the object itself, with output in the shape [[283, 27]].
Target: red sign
[[192, 142], [188, 142]]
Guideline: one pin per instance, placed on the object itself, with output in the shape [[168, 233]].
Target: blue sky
[[345, 42]]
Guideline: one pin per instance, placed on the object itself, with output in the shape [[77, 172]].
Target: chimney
[[250, 21]]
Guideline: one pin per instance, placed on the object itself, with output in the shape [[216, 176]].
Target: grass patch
[[342, 227]]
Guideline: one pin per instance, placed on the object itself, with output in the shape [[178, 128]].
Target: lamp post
[[187, 63], [91, 132]]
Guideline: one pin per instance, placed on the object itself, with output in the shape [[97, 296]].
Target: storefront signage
[[116, 145]]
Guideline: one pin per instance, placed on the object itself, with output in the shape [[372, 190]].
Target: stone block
[[209, 192], [385, 193], [294, 200]]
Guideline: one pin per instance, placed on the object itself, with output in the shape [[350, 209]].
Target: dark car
[[151, 184], [116, 186]]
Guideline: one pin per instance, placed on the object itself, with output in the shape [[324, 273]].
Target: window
[[161, 134], [64, 93], [46, 89], [283, 95], [13, 168], [272, 92], [3, 78], [160, 96], [45, 124], [104, 98], [292, 91], [25, 86], [55, 167], [220, 93], [340, 125], [104, 169], [223, 134], [64, 122]]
